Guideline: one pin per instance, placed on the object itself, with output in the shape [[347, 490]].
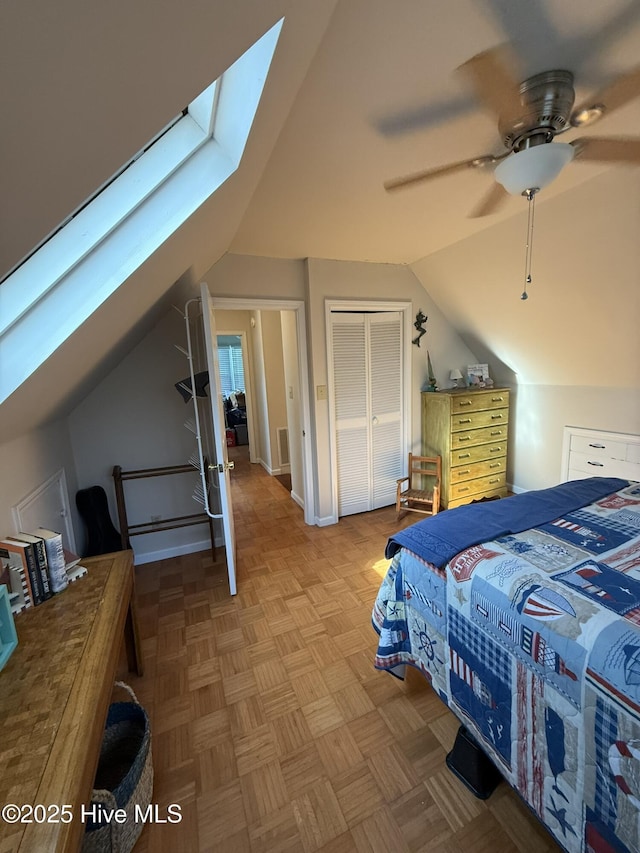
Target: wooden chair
[[423, 492]]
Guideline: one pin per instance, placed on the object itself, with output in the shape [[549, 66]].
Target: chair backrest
[[424, 471]]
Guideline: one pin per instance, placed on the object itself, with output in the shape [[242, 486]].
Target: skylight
[[66, 279]]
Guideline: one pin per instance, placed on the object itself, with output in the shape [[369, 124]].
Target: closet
[[368, 405]]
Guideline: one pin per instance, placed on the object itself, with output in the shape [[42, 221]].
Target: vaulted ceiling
[[383, 99], [360, 91]]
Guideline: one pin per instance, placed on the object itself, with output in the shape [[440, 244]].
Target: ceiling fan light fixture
[[533, 168], [588, 115]]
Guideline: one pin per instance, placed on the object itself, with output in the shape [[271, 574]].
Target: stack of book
[[39, 567]]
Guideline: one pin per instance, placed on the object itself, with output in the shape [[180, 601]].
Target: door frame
[[363, 306], [248, 304]]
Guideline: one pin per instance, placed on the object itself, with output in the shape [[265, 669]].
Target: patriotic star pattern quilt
[[533, 641]]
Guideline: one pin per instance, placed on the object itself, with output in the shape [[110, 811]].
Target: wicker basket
[[124, 778]]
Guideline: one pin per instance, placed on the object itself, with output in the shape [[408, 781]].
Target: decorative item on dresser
[[469, 430]]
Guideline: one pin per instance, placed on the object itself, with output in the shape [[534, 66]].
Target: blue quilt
[[439, 538], [533, 640]]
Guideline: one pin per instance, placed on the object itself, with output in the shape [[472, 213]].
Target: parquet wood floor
[[271, 728]]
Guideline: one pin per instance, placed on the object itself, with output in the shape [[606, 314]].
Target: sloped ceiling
[[112, 93], [383, 99], [360, 91]]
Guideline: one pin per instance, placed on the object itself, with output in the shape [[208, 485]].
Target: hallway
[[271, 727]]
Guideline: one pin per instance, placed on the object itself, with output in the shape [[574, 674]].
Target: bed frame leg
[[470, 764]]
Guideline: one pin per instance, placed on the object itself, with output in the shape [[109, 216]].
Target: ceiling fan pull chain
[[531, 198]]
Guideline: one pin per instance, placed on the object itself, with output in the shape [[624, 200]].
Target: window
[[116, 231], [231, 367]]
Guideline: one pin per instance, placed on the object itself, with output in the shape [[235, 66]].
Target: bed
[[524, 615]]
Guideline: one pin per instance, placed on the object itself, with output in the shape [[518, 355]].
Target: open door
[[222, 467]]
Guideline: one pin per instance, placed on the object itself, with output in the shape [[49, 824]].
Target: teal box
[[8, 636]]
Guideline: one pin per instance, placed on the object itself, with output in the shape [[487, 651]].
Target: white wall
[[259, 376], [27, 462], [339, 279], [292, 378], [572, 350], [274, 382], [247, 276], [540, 413], [135, 419]]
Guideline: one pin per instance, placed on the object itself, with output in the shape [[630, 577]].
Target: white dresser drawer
[[594, 465], [597, 447], [597, 453]]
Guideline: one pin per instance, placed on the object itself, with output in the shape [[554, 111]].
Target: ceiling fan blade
[[492, 201], [608, 150], [624, 89], [428, 174], [490, 74]]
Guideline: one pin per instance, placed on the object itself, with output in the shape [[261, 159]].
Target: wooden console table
[[54, 695]]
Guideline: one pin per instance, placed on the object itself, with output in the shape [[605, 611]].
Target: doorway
[[285, 441]]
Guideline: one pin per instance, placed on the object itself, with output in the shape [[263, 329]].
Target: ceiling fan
[[530, 116]]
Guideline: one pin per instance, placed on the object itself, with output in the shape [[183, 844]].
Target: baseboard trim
[[326, 521], [175, 551], [271, 471], [298, 500]]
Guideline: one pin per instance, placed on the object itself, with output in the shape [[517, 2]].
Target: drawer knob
[[598, 446], [464, 402], [497, 399], [495, 465], [464, 420], [465, 438], [496, 417], [496, 432], [494, 481], [464, 456], [596, 464], [495, 450]]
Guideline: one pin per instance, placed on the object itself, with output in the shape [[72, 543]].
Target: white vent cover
[[283, 446]]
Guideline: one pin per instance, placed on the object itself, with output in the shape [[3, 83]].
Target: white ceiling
[[382, 99]]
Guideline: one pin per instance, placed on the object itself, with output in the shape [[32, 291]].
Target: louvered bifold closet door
[[386, 405], [368, 382], [350, 377]]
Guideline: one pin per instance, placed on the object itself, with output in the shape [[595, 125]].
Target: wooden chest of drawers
[[469, 431]]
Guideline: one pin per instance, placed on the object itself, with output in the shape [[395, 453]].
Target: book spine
[[56, 563], [34, 573], [18, 575], [19, 572], [41, 556]]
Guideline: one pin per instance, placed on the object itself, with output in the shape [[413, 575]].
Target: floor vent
[[283, 446]]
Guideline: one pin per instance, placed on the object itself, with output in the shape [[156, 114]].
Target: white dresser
[[596, 453]]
